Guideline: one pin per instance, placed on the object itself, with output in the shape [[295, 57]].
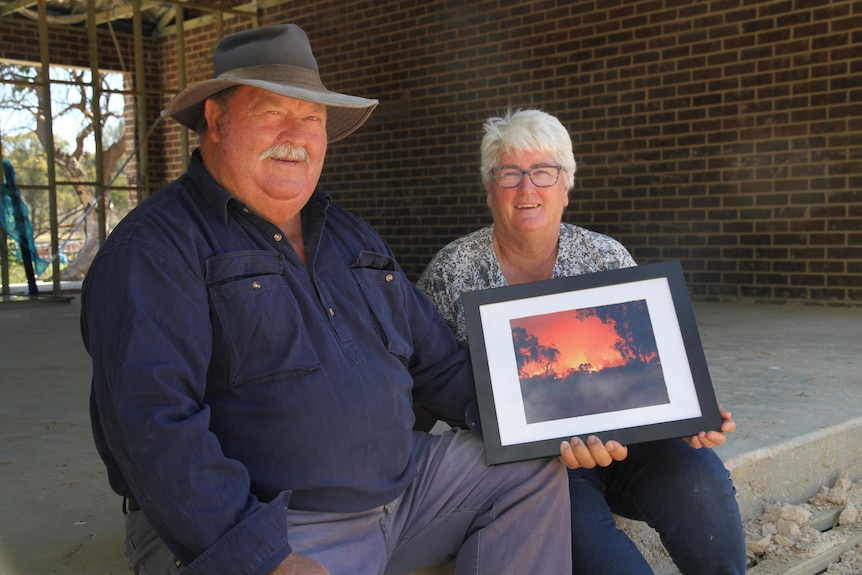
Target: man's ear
[[213, 115]]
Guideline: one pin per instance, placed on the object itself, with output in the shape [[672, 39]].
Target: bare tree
[[72, 99]]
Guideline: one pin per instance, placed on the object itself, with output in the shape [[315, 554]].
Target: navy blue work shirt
[[231, 380]]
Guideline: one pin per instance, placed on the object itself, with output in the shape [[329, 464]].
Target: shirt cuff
[[255, 546]]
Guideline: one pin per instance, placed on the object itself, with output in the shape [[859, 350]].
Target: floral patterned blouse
[[470, 264]]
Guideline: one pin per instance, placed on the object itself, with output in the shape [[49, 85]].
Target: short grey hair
[[221, 99], [527, 131]]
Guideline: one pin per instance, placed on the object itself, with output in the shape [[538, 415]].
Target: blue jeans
[[685, 494]]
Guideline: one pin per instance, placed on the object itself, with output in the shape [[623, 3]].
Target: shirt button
[[389, 277], [255, 285], [332, 312], [277, 237]]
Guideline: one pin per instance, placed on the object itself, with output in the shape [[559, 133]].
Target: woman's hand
[[710, 439], [575, 454]]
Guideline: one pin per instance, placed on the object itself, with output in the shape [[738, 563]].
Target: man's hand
[[575, 454], [710, 439], [296, 564]]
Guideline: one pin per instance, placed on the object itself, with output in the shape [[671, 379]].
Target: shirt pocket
[[384, 288], [258, 332]]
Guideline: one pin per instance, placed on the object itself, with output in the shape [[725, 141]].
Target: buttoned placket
[[327, 303]]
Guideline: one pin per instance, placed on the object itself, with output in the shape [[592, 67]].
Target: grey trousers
[[510, 519]]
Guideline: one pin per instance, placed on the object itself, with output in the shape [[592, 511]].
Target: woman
[[684, 492]]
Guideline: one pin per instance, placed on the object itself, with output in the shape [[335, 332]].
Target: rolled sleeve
[[255, 546]]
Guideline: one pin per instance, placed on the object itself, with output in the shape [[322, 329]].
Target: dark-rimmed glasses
[[511, 176]]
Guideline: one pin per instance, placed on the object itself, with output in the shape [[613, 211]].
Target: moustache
[[285, 152]]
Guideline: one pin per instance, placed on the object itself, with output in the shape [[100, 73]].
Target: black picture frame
[[535, 392]]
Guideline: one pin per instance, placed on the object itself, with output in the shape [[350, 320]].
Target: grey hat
[[277, 59]]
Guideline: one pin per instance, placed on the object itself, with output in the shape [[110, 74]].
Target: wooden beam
[[123, 12], [15, 5], [248, 9]]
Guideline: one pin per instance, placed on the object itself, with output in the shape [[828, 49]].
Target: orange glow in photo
[[580, 341]]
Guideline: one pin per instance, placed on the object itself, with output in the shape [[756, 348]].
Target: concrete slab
[[58, 513], [790, 375]]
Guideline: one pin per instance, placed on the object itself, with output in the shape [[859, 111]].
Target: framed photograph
[[615, 354]]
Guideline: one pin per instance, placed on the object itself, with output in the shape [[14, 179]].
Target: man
[[256, 350]]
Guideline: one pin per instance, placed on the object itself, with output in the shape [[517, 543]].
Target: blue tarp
[[16, 222]]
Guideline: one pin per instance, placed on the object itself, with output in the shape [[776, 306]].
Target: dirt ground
[[826, 529], [823, 535]]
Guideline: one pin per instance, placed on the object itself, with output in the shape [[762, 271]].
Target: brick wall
[[726, 134]]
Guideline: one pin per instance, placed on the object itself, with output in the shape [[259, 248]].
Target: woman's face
[[527, 208]]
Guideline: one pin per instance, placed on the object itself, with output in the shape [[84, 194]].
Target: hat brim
[[345, 113]]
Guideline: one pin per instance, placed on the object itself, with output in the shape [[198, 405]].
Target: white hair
[[527, 131]]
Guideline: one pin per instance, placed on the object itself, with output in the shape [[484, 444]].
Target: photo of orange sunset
[[589, 360]]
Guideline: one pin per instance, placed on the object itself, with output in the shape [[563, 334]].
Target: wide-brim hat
[[277, 59]]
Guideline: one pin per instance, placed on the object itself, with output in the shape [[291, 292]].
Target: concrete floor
[[58, 514], [792, 376]]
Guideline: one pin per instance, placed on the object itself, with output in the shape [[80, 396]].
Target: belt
[[130, 505]]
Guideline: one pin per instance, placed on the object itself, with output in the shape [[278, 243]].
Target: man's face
[[266, 149]]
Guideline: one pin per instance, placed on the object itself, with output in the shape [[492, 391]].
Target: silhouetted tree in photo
[[548, 358], [526, 348], [631, 322]]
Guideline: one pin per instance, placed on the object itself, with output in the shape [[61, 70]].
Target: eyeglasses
[[511, 176]]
